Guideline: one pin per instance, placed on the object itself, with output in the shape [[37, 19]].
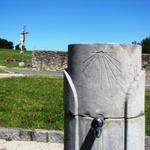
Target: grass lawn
[[147, 111], [37, 102], [13, 54], [31, 102]]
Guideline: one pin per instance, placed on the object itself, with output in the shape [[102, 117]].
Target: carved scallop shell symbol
[[102, 67]]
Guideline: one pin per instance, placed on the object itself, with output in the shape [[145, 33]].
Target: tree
[[146, 45], [135, 42], [10, 45], [6, 44], [17, 47]]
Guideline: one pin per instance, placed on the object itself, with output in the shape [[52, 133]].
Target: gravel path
[[4, 75], [23, 145], [29, 71]]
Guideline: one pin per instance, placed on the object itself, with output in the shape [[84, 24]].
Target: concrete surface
[[24, 145]]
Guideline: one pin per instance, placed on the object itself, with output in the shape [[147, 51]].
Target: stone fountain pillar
[[104, 79]]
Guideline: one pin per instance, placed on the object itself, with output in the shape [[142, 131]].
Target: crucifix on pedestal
[[22, 41]]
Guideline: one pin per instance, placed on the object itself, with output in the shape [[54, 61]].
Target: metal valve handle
[[97, 125]]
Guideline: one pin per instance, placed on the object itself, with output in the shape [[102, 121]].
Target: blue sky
[[53, 24]]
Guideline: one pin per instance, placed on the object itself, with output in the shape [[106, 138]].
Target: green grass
[[14, 54], [147, 111], [31, 102], [37, 102]]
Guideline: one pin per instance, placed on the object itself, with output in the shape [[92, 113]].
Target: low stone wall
[[146, 64], [147, 143], [38, 135], [57, 60], [49, 60]]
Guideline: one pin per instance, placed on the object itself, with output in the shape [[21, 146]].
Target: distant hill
[[11, 58]]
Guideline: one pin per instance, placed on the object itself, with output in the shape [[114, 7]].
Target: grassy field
[[13, 55], [37, 102], [147, 111], [31, 102]]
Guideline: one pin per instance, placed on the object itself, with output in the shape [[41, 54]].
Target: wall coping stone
[[38, 135]]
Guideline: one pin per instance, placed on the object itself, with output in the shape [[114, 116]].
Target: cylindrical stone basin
[[108, 80]]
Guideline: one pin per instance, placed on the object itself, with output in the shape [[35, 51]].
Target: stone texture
[[109, 80], [117, 134], [40, 135], [55, 136], [113, 136], [113, 129], [98, 71], [25, 135], [9, 134], [135, 100], [52, 60], [135, 133], [146, 64], [69, 132], [147, 143], [26, 132], [49, 60]]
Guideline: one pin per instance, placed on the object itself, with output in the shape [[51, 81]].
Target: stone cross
[[105, 82]]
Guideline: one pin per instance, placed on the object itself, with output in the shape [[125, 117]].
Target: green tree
[[17, 47], [6, 44], [134, 42], [146, 45], [10, 45]]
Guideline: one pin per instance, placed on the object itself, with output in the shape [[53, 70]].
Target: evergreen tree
[[146, 45]]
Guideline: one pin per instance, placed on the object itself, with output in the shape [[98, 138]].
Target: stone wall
[[49, 60], [57, 61], [38, 135], [146, 64]]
